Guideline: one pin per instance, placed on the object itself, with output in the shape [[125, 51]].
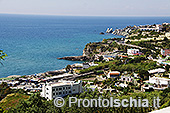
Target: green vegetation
[[4, 90], [2, 56], [143, 34], [89, 94], [130, 65], [37, 104], [12, 100], [166, 28], [105, 45]]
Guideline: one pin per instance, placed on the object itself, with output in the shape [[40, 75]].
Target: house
[[81, 66], [167, 35], [133, 52], [123, 85], [156, 83], [165, 23], [165, 52], [60, 89], [113, 74], [93, 64], [108, 59], [86, 65], [126, 78], [156, 71]]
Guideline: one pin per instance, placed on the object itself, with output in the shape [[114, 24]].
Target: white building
[[93, 64], [132, 51], [60, 89], [126, 78], [155, 71], [165, 23], [156, 83], [167, 35], [154, 28], [86, 65]]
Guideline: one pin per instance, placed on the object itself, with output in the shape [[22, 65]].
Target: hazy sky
[[87, 7]]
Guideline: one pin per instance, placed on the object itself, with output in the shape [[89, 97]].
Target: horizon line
[[87, 15]]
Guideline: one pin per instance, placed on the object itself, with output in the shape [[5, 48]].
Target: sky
[[87, 7]]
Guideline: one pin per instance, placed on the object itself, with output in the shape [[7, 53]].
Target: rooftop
[[62, 83]]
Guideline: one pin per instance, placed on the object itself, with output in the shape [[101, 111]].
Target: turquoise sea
[[33, 43]]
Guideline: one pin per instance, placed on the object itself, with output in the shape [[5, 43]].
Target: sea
[[34, 42]]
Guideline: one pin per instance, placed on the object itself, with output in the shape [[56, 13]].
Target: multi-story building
[[155, 83], [60, 89]]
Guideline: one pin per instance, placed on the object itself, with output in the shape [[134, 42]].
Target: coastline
[[37, 52]]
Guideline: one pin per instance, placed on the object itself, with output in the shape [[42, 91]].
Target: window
[[60, 88], [59, 93], [69, 91], [63, 88], [73, 89]]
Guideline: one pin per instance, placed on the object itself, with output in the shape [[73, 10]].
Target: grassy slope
[[12, 100]]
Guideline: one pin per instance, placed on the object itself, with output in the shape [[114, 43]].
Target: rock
[[109, 30], [76, 58], [102, 33]]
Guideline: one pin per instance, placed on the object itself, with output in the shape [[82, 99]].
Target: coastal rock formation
[[102, 33], [54, 73], [123, 32], [87, 51], [109, 30], [120, 32], [76, 58]]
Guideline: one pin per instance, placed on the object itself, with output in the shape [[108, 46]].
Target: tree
[[95, 81], [1, 110], [165, 38], [68, 68], [100, 58], [144, 74], [167, 67], [2, 56]]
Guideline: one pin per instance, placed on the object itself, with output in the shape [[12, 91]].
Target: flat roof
[[62, 83]]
